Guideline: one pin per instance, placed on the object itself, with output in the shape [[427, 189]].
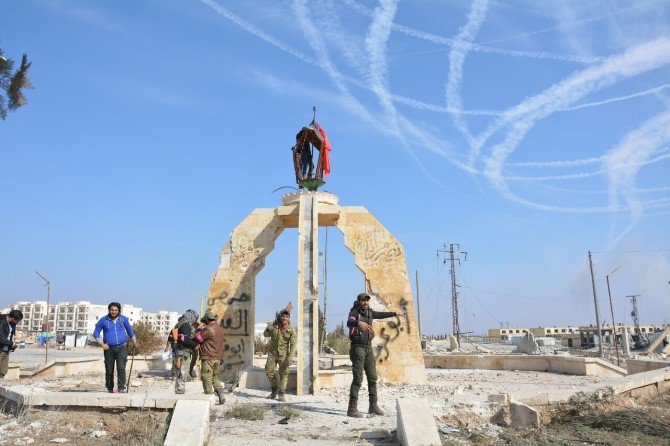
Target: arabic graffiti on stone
[[234, 351], [239, 323], [243, 298], [228, 366], [382, 348]]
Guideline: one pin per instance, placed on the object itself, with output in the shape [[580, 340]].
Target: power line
[[629, 252], [500, 294]]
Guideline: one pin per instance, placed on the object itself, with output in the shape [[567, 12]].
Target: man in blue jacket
[[116, 331]]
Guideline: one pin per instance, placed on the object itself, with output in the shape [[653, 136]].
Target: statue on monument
[[310, 138]]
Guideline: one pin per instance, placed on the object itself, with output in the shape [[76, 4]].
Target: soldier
[[281, 350], [361, 354], [211, 351], [185, 345]]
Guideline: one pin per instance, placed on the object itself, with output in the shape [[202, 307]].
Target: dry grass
[[246, 412], [287, 411], [130, 427]]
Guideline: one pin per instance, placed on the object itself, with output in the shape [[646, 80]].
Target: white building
[[162, 321], [82, 316]]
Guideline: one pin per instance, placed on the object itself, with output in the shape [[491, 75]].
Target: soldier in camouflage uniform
[[281, 350]]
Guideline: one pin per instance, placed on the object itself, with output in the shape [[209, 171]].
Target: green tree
[[12, 84]]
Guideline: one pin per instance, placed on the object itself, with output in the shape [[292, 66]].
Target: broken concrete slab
[[522, 416], [528, 345], [189, 425], [453, 343], [501, 398], [416, 425], [571, 365]]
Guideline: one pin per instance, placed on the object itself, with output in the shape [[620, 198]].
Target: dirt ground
[[458, 399], [618, 423], [41, 427]]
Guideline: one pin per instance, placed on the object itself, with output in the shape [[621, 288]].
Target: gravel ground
[[458, 398]]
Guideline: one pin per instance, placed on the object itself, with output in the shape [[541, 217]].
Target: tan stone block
[[59, 399], [116, 401], [89, 400]]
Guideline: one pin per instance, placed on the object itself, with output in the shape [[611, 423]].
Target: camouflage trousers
[[362, 361], [280, 381], [209, 374], [182, 371]]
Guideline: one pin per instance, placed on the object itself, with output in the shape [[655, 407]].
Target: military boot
[[273, 394], [352, 411], [374, 408], [219, 392], [280, 396]]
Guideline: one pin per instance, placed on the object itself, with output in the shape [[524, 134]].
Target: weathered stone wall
[[382, 259], [231, 293], [377, 254]]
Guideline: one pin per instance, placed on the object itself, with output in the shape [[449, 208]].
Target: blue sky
[[530, 132]]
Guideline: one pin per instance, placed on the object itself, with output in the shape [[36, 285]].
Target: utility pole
[[609, 292], [325, 291], [418, 305], [636, 319], [45, 326], [595, 302], [453, 258]]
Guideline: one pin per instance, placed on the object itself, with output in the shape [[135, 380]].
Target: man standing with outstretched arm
[[116, 331], [361, 354]]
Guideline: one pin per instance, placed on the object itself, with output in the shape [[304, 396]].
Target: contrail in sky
[[522, 117], [440, 40], [517, 120], [457, 56], [568, 24], [624, 161]]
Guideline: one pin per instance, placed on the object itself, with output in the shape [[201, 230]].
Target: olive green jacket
[[282, 343]]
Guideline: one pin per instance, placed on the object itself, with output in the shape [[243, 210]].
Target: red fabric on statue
[[325, 165]]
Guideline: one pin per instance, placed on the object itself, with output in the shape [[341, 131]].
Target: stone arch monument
[[377, 254]]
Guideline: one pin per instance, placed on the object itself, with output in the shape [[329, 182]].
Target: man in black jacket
[[186, 346], [361, 354], [7, 329]]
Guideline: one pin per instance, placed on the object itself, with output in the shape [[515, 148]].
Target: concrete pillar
[[625, 341], [308, 293]]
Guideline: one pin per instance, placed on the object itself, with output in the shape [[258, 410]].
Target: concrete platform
[[572, 365], [255, 378], [24, 395], [644, 365]]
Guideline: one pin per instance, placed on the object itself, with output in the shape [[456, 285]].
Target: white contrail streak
[[257, 32], [375, 44], [624, 161], [440, 40], [457, 57], [572, 163], [521, 118], [619, 98], [567, 25]]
